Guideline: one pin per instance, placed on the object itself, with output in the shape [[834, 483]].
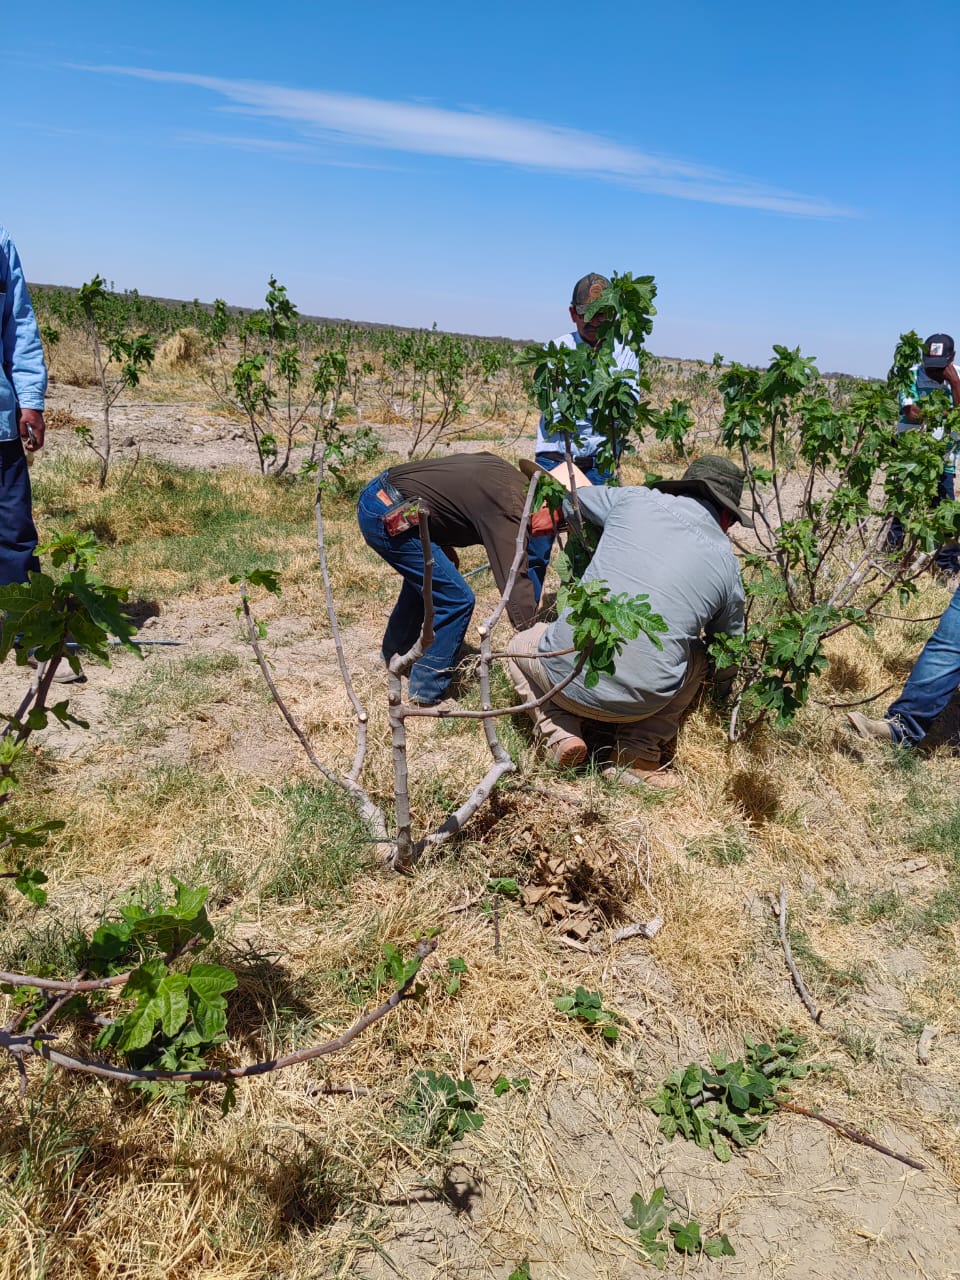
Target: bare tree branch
[[815, 1013], [500, 755], [455, 821], [821, 702], [70, 985], [50, 1012], [443, 713], [409, 852], [518, 555], [855, 1135], [732, 733], [484, 789], [502, 764], [73, 985], [25, 1046], [369, 812], [400, 664], [26, 702], [571, 477]]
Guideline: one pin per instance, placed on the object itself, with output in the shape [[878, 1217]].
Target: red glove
[[544, 521]]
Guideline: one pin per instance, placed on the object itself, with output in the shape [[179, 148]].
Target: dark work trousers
[[18, 534]]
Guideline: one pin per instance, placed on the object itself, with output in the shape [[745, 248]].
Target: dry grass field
[[339, 1167]]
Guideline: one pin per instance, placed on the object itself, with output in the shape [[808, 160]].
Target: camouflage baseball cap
[[715, 478], [588, 289]]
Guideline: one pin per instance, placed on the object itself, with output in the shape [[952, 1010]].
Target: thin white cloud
[[305, 151], [481, 136], [245, 144]]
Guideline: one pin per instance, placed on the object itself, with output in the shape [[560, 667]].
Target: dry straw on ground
[[187, 770]]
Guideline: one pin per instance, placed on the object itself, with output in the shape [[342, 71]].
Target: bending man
[[473, 499]]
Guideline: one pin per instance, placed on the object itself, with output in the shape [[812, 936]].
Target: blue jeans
[[539, 549], [933, 681], [947, 557], [18, 534], [453, 600]]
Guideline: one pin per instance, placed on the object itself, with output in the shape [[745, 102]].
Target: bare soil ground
[[551, 1173]]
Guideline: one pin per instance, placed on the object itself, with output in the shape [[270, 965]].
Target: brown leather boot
[[872, 730], [566, 753]]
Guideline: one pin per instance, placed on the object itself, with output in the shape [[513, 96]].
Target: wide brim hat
[[560, 472], [715, 478]]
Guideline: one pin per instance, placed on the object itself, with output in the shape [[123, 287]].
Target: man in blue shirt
[[23, 384], [586, 444]]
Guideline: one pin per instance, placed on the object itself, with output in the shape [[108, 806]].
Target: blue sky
[[465, 165]]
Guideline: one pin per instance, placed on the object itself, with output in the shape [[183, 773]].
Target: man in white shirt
[[585, 445]]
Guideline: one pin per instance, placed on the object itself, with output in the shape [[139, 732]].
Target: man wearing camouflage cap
[[667, 542], [585, 446], [935, 372]]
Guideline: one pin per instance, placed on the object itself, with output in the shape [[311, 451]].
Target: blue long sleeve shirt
[[23, 377]]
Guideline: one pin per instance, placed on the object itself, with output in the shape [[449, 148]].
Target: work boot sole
[[569, 753]]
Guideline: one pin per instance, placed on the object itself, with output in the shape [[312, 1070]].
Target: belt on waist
[[579, 458]]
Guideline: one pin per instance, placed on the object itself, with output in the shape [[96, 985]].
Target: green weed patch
[[170, 531]]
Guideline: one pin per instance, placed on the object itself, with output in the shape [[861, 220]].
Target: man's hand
[[952, 379], [451, 554], [31, 427]]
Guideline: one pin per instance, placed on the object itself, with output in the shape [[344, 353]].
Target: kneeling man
[[669, 543]]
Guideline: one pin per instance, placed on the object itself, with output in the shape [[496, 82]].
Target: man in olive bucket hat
[[669, 543]]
